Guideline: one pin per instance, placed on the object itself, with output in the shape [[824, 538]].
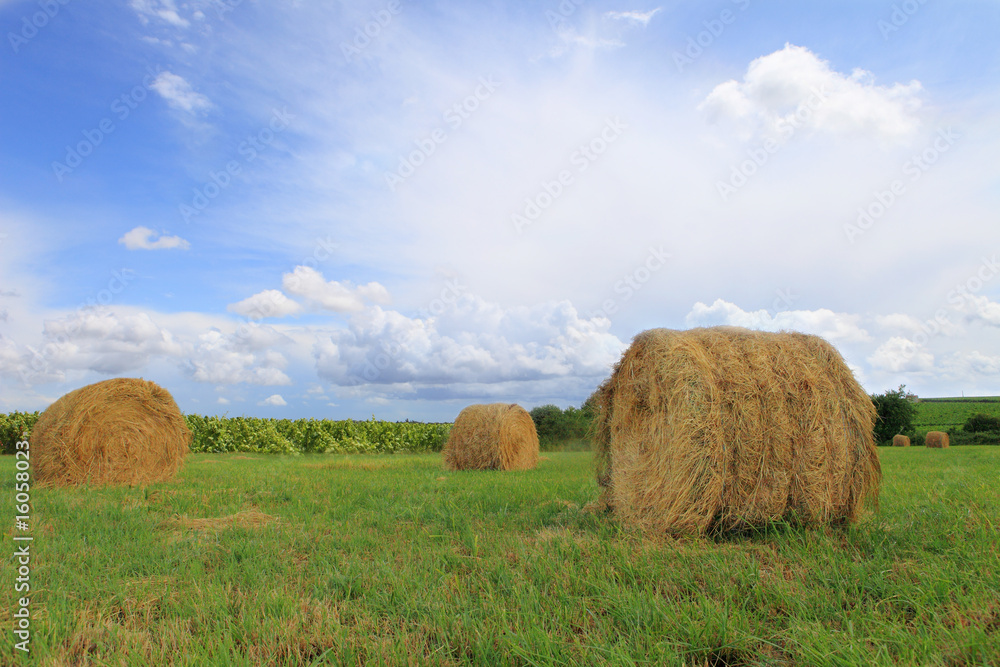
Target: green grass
[[941, 414], [390, 560]]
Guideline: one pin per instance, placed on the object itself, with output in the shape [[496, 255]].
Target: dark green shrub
[[895, 415], [980, 423]]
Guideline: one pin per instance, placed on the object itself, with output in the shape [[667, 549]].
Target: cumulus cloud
[[274, 400], [141, 238], [899, 355], [983, 364], [245, 357], [982, 309], [476, 344], [794, 88], [269, 303], [340, 297], [835, 327], [105, 341], [179, 94], [911, 326]]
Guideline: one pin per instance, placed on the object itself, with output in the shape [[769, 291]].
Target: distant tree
[[980, 423], [895, 414], [549, 423], [556, 426]]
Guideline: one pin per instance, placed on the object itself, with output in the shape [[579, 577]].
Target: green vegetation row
[[281, 436], [967, 421]]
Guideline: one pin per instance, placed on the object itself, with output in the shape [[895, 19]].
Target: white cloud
[[269, 303], [222, 400], [776, 86], [835, 327], [641, 18], [141, 238], [907, 324], [475, 344], [163, 10], [105, 341], [983, 364], [245, 357], [340, 297], [274, 400], [179, 94], [899, 355], [982, 309]]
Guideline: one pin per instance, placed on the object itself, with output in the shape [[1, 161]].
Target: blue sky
[[398, 208]]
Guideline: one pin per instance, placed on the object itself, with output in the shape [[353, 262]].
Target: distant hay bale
[[900, 440], [496, 436], [121, 431], [937, 440], [725, 428]]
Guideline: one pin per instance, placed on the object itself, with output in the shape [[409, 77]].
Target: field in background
[[559, 430], [942, 414], [250, 560]]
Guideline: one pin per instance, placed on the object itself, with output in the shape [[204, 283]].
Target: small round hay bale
[[937, 440], [725, 428], [495, 436], [121, 431], [900, 440]]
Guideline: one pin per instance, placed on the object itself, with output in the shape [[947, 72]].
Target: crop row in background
[[281, 436]]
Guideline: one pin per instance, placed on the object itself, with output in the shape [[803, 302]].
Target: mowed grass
[[369, 560]]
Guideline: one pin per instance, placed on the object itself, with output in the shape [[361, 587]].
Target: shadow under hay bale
[[900, 440], [496, 436], [725, 428], [937, 440], [122, 431]]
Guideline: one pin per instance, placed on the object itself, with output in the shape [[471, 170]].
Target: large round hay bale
[[937, 440], [900, 440], [724, 428], [121, 431], [496, 436]]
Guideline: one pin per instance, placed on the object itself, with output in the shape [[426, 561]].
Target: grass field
[[942, 414], [365, 560]]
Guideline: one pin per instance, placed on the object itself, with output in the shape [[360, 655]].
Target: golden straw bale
[[122, 431], [724, 428], [900, 440], [496, 436], [937, 440]]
